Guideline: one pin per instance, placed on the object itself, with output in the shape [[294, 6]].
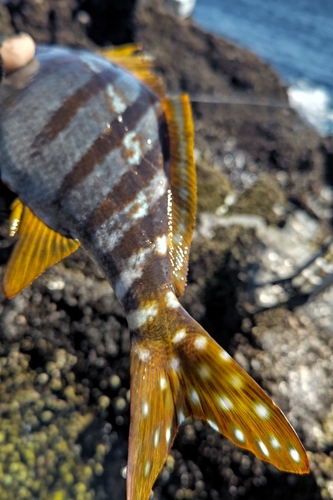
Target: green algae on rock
[[39, 457]]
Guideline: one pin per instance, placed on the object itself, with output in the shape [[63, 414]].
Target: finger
[[17, 51]]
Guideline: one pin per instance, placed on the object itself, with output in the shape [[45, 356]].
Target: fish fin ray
[[153, 423], [191, 375], [220, 392], [37, 248], [183, 185], [132, 58]]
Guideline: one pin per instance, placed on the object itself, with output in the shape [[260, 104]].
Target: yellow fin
[[220, 392], [186, 373], [15, 216], [183, 185], [140, 65], [38, 247], [153, 422]]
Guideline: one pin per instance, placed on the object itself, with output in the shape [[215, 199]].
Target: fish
[[100, 156]]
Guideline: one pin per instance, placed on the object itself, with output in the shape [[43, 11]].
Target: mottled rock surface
[[264, 209]]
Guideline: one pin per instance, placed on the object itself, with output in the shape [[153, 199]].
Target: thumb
[[16, 52]]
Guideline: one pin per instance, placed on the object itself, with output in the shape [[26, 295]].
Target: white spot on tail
[[194, 396], [147, 468], [161, 245], [263, 448], [225, 403], [239, 435], [225, 356], [145, 409], [295, 455], [213, 425], [175, 363], [171, 300], [200, 343], [261, 410], [204, 371], [236, 381], [275, 443], [181, 417], [168, 435], [179, 336], [141, 316], [163, 383], [156, 438]]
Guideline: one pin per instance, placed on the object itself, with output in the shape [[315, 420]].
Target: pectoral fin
[[38, 247]]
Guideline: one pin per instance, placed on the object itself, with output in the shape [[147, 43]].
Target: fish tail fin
[[154, 422], [189, 374]]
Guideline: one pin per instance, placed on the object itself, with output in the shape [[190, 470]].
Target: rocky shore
[[264, 211]]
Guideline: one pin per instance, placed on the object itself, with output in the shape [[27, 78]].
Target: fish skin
[[85, 146]]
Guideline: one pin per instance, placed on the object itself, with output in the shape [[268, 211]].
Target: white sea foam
[[314, 104], [182, 8], [302, 48]]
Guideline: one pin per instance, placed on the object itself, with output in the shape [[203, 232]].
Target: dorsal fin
[[182, 198], [182, 169], [38, 247], [139, 64]]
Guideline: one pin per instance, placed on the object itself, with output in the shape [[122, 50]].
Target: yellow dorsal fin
[[183, 185], [38, 247], [139, 64]]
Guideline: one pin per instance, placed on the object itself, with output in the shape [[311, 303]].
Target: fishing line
[[218, 99]]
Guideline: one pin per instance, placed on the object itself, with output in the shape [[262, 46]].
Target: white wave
[[314, 105], [182, 8]]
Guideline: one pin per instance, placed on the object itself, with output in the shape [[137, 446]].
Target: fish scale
[[69, 168], [100, 156]]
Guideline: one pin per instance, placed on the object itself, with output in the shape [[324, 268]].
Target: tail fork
[[154, 424], [189, 374]]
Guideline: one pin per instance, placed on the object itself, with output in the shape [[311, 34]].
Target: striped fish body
[[90, 164], [96, 156]]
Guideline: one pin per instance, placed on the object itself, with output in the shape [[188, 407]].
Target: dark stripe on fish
[[126, 190], [151, 272], [110, 139], [65, 114], [143, 232]]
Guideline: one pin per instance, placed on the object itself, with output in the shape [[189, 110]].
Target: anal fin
[[37, 248]]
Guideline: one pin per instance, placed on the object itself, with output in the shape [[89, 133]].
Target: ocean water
[[295, 37]]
